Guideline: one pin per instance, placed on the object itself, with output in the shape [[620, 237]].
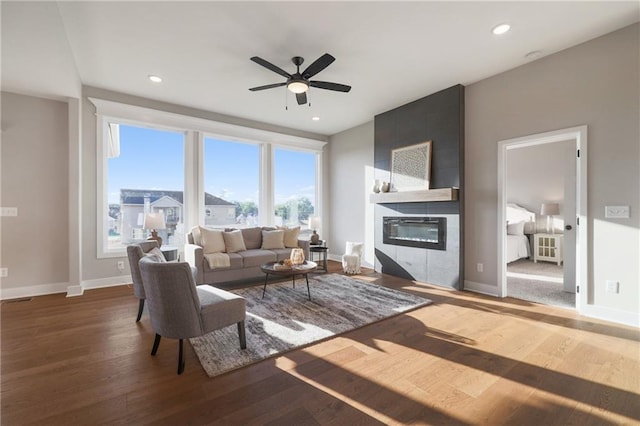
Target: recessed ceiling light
[[501, 29], [155, 78], [315, 118]]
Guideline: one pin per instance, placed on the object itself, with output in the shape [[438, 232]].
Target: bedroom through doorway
[[541, 195], [540, 182]]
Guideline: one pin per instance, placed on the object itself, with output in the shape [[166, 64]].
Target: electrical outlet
[[480, 267], [613, 286], [4, 272], [120, 265]]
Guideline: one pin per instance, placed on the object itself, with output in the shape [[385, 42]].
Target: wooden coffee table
[[304, 269]]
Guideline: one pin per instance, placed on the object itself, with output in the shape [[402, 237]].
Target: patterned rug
[[286, 319]]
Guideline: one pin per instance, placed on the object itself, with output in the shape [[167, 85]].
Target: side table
[[321, 251], [170, 253]]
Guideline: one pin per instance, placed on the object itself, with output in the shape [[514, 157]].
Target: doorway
[[551, 190]]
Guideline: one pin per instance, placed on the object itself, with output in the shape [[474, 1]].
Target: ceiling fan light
[[298, 86]]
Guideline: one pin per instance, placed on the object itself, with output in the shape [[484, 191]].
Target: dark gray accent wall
[[439, 118]]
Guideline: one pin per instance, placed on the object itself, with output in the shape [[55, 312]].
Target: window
[[144, 174], [154, 161], [294, 187], [231, 183]]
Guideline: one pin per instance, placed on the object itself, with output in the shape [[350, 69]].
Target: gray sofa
[[244, 265]]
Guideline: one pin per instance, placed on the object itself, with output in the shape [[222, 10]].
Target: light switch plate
[[616, 212], [9, 211]]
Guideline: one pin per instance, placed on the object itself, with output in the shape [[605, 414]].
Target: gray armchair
[[135, 252], [179, 309]]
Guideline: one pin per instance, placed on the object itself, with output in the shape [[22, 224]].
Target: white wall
[[595, 84], [34, 172], [536, 175], [351, 176]]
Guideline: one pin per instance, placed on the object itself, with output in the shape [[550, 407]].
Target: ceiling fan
[[299, 82]]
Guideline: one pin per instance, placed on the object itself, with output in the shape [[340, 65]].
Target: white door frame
[[579, 135]]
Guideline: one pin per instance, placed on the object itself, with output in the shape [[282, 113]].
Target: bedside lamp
[[154, 221], [314, 223], [549, 209]]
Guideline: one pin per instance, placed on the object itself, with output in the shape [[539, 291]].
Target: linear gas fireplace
[[424, 232]]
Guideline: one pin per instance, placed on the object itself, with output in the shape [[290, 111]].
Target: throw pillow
[[197, 237], [233, 241], [272, 239], [252, 238], [156, 254], [290, 236], [515, 229], [212, 240]]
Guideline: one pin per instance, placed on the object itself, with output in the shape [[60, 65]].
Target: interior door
[[569, 249]]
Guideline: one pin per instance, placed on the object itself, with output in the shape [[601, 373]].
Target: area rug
[[286, 319]]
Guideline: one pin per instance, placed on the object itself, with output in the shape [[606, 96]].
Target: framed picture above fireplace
[[411, 167]]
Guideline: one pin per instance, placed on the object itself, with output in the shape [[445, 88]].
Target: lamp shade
[[550, 209], [154, 221], [314, 222]]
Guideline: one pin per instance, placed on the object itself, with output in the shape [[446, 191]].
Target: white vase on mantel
[[376, 186], [386, 186]]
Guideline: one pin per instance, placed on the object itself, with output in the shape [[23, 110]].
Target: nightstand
[[548, 247]]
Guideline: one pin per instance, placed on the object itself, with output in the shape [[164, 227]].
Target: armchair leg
[[243, 337], [156, 343], [140, 309], [180, 358]]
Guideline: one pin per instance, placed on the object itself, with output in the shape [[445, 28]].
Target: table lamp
[[549, 209], [154, 221], [314, 223]]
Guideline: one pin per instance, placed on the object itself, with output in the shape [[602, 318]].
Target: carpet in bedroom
[[538, 282], [286, 319]]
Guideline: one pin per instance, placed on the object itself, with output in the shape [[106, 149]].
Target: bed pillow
[[212, 241], [290, 236], [273, 239], [233, 241], [515, 228]]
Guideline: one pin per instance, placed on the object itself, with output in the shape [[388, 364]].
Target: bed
[[520, 223]]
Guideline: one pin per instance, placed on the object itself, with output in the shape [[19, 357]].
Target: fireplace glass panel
[[424, 232]]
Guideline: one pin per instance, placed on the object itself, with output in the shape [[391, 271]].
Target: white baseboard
[[33, 290], [613, 315], [476, 287], [106, 282], [74, 290]]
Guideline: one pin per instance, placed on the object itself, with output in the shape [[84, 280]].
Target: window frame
[[195, 129], [317, 210]]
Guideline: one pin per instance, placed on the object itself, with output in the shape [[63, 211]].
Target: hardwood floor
[[467, 359]]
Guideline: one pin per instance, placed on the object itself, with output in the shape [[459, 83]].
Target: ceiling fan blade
[[268, 86], [302, 98], [330, 86], [321, 63], [270, 66]]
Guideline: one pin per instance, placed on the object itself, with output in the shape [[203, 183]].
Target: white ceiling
[[391, 52]]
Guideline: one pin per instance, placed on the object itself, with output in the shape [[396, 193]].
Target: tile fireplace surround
[[439, 118]]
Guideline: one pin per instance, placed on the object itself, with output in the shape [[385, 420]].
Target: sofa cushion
[[290, 236], [257, 257], [212, 240], [252, 237], [272, 239], [233, 241]]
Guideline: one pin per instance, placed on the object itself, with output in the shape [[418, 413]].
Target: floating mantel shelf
[[440, 194]]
